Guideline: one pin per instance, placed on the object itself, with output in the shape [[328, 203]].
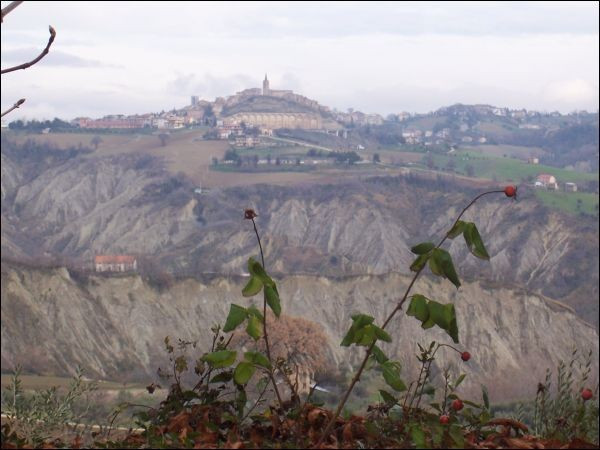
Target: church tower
[[265, 86]]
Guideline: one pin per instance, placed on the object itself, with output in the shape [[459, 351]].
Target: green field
[[507, 169], [571, 202]]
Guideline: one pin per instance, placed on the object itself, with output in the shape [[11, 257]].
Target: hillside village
[[264, 120]]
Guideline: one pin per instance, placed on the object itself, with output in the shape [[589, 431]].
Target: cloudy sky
[[133, 57]]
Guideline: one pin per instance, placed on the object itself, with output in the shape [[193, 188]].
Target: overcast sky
[[134, 57]]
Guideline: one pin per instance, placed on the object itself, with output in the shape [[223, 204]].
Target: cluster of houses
[[547, 181], [168, 121]]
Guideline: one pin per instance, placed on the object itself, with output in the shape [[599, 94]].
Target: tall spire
[[265, 90]]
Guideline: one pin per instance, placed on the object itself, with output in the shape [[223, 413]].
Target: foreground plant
[[364, 332]]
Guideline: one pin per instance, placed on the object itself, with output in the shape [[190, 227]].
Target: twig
[[13, 107], [8, 9], [40, 56], [387, 321]]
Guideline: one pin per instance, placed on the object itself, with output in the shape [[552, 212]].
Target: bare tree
[[96, 141], [163, 138], [5, 12]]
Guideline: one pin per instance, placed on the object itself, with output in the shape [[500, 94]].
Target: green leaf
[[258, 271], [257, 358], [422, 248], [359, 321], [222, 358], [419, 262], [459, 380], [418, 307], [486, 398], [445, 261], [222, 377], [391, 375], [236, 316], [444, 316], [381, 334], [272, 297], [254, 328], [474, 242], [435, 264], [379, 355], [418, 437], [253, 311], [253, 287], [388, 398], [365, 336], [243, 372], [432, 313], [457, 229]]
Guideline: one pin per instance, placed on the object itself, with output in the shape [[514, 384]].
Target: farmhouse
[[546, 180], [115, 263]]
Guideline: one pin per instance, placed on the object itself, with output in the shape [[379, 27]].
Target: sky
[[137, 57]]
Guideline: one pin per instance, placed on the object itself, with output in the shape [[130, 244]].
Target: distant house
[[546, 180], [570, 187], [246, 141], [115, 263], [533, 160]]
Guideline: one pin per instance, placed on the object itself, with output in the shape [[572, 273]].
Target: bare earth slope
[[77, 207], [114, 326]]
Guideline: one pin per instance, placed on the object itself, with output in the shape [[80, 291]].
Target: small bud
[[249, 214]]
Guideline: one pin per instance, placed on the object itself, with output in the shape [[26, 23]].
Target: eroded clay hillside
[[74, 205], [114, 326]]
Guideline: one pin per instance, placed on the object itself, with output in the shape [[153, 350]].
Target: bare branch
[[40, 56], [13, 107], [9, 8]]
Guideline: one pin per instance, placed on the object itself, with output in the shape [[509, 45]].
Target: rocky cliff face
[[76, 207], [114, 326]]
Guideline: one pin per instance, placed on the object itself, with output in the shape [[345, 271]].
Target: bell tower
[[265, 90]]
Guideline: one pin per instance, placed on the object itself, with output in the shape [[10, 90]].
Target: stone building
[[307, 121], [115, 263]]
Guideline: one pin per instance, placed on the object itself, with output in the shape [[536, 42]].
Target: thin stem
[[9, 8], [265, 334], [13, 107], [39, 57], [387, 321], [257, 402]]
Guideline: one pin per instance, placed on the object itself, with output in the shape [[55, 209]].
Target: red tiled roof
[[114, 259]]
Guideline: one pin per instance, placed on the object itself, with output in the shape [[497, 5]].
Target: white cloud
[[136, 57], [571, 92]]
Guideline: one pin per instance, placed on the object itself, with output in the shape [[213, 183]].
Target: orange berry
[[510, 191]]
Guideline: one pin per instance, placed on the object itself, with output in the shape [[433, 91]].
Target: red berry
[[444, 419], [586, 394], [457, 405], [465, 356], [510, 191]]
